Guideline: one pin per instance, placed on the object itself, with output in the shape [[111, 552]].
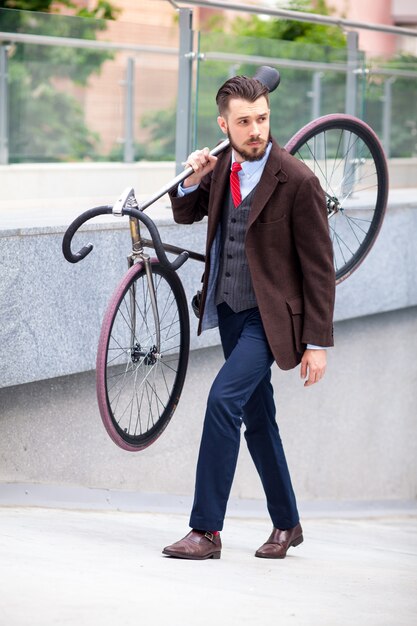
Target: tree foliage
[[46, 121], [282, 40], [293, 30], [273, 39], [103, 9]]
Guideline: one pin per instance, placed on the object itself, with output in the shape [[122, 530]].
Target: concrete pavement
[[105, 568]]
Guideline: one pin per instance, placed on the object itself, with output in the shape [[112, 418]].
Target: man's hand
[[202, 163], [313, 365]]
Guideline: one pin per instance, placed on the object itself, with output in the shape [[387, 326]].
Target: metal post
[[315, 95], [351, 76], [185, 67], [386, 115], [4, 99], [129, 140], [350, 108]]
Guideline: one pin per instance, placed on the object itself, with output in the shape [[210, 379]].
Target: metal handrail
[[300, 16], [48, 40], [72, 42], [301, 64]]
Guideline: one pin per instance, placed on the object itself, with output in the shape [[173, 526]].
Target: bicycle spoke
[[348, 159]]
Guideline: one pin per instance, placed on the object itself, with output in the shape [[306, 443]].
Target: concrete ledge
[[30, 184], [27, 182], [51, 311]]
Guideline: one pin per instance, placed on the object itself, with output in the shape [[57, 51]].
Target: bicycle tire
[[138, 389], [348, 158]]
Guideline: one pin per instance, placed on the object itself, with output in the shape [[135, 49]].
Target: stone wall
[[351, 437]]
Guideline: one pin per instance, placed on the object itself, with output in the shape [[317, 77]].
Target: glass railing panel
[[74, 103], [312, 80], [390, 101]]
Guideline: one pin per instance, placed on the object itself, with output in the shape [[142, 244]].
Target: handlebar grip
[[180, 260], [83, 252]]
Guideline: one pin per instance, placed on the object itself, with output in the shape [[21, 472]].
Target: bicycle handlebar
[[270, 77], [105, 210], [72, 229]]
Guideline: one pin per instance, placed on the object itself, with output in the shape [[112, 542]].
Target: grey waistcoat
[[234, 284]]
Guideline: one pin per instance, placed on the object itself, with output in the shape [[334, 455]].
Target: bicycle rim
[[139, 385], [349, 161]]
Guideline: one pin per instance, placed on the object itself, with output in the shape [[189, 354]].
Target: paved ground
[[80, 567]]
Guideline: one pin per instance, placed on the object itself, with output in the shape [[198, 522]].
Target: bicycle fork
[[138, 253]]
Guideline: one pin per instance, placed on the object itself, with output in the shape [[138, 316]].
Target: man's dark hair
[[242, 87]]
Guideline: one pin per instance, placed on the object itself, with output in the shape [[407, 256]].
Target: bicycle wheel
[[348, 159], [138, 386]]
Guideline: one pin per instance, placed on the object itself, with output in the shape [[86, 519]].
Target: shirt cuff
[[311, 346], [183, 191]]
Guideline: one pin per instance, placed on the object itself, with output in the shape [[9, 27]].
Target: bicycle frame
[[138, 254]]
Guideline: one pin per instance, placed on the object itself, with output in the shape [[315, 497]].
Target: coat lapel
[[271, 177], [219, 182]]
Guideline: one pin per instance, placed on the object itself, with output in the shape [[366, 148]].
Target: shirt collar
[[249, 168]]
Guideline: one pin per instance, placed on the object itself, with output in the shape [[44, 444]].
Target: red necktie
[[235, 183]]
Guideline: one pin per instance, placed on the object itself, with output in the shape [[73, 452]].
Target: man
[[269, 285]]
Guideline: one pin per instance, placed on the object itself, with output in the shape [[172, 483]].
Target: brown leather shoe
[[196, 545], [278, 543]]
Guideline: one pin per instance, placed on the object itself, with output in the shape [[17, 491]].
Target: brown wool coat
[[288, 248]]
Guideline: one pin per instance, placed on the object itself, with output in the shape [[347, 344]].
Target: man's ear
[[222, 123]]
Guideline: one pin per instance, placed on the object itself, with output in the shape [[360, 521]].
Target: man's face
[[247, 126]]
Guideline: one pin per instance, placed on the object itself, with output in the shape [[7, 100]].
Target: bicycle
[[143, 347]]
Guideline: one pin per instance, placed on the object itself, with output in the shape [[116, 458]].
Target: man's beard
[[245, 152]]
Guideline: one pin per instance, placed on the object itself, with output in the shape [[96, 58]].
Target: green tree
[[46, 122], [293, 30], [292, 105], [281, 40], [274, 39]]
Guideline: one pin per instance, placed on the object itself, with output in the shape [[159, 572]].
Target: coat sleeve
[[315, 252], [192, 207]]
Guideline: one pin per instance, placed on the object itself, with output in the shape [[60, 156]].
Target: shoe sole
[[189, 557]]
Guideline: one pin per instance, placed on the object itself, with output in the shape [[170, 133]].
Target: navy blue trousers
[[241, 393]]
